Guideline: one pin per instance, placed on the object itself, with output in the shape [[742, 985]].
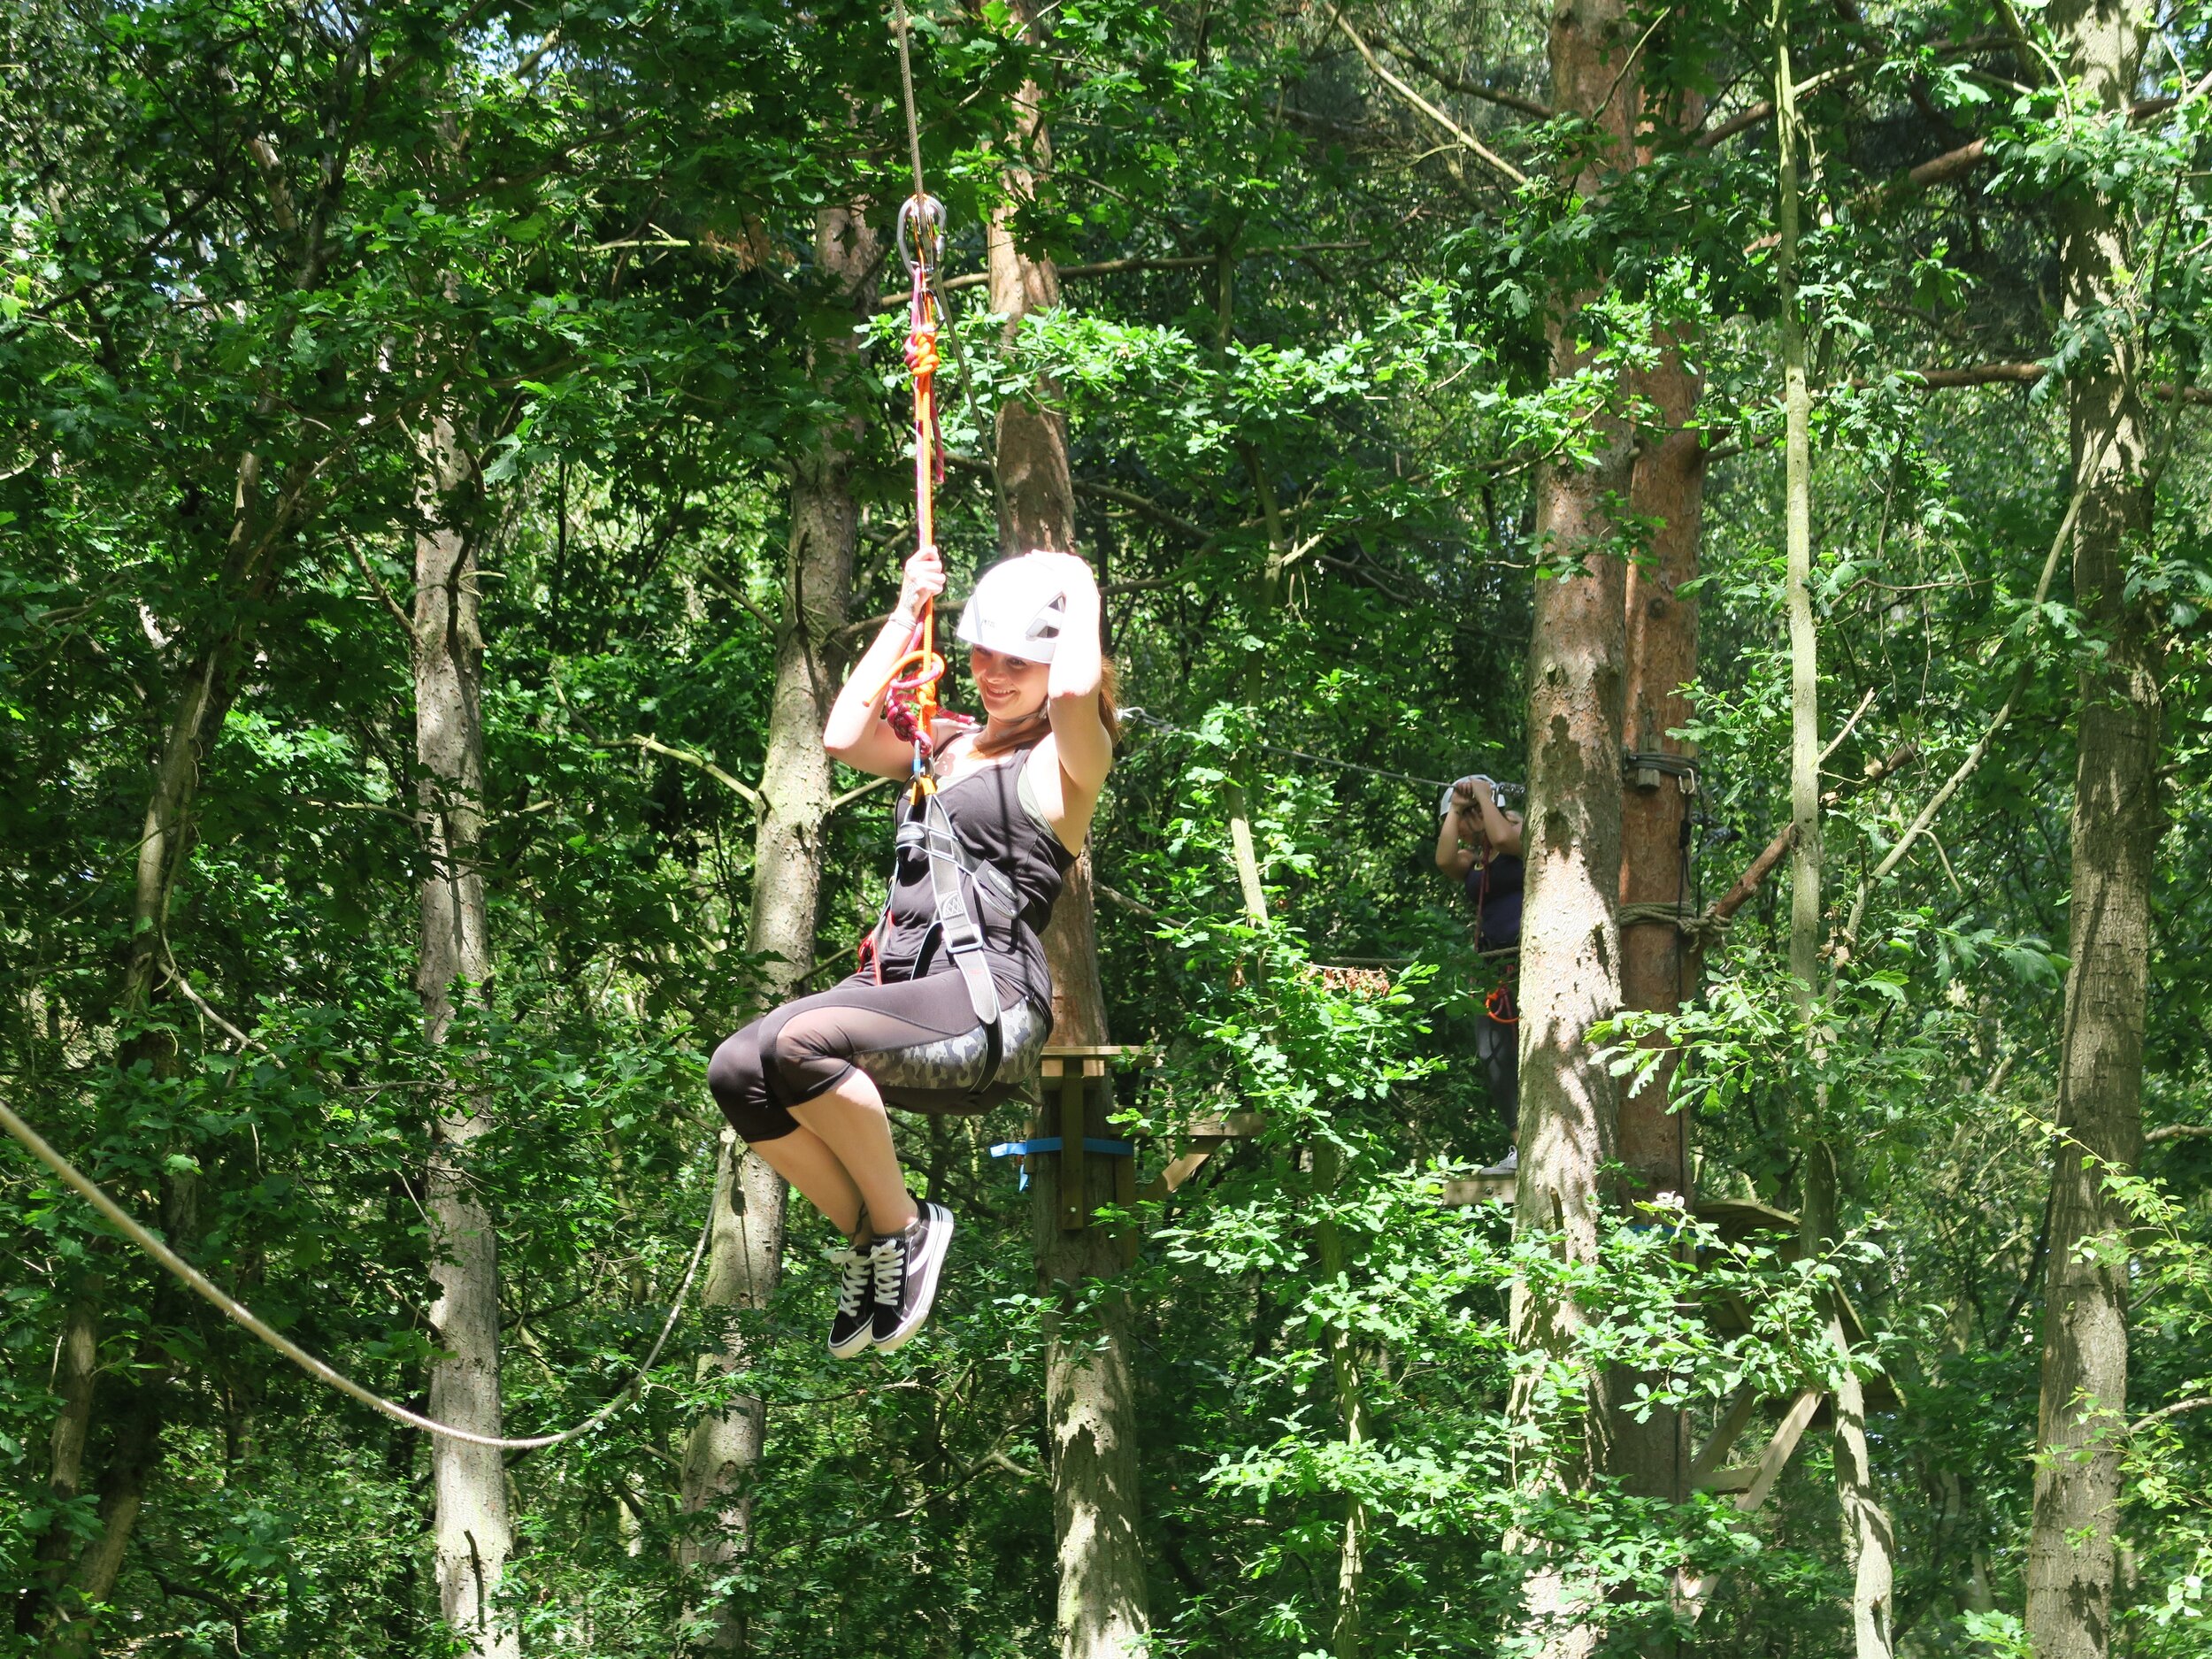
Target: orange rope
[[913, 708]]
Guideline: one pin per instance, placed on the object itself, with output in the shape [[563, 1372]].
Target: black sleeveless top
[[995, 826], [1494, 890]]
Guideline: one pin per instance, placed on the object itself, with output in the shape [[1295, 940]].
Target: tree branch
[[1919, 828], [856, 793], [1467, 140], [1468, 88], [737, 786], [1779, 848], [2195, 1403], [406, 623], [2177, 1132], [1115, 267], [1146, 508]]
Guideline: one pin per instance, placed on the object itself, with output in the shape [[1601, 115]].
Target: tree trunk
[[1869, 1541], [2116, 830], [474, 1533], [1570, 942], [1659, 965], [745, 1255], [1090, 1384], [1570, 962], [1036, 495]]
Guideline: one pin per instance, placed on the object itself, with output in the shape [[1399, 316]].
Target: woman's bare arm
[[1502, 832], [1069, 767], [1454, 859], [856, 731]]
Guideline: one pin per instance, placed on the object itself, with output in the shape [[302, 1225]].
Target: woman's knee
[[808, 1054], [740, 1087]]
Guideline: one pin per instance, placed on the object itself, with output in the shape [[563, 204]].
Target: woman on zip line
[[806, 1085]]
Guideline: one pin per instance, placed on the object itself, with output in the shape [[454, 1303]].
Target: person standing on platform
[[1478, 846]]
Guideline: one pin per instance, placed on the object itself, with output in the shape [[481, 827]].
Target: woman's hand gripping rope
[[909, 693]]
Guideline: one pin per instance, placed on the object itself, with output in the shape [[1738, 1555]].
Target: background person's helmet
[[1017, 609]]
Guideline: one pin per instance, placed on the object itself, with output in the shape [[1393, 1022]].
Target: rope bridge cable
[[239, 1314], [1158, 724]]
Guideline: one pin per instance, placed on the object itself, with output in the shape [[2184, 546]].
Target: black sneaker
[[906, 1266], [853, 1326]]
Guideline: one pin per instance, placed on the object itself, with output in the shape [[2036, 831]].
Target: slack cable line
[[1158, 724], [244, 1316]]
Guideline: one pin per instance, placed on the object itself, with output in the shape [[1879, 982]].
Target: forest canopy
[[451, 454]]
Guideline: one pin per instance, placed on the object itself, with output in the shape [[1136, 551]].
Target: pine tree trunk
[[1570, 949], [1571, 944], [474, 1533], [1659, 964], [1090, 1384], [744, 1261], [1036, 494], [2115, 829]]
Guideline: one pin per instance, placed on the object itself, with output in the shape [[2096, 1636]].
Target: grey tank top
[[997, 825]]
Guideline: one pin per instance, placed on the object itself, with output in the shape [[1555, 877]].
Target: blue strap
[[1052, 1143]]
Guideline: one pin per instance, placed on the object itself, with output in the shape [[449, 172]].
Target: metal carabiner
[[919, 216]]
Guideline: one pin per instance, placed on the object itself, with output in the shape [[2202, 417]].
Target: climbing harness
[[122, 1220], [925, 833]]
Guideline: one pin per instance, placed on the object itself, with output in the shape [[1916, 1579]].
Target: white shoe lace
[[852, 1283], [890, 1262]]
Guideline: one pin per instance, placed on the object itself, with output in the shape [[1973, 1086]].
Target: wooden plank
[[1235, 1126], [1723, 1437], [1074, 1213], [1778, 1449], [1202, 1140]]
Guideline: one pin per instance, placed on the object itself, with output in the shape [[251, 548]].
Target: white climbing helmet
[[1017, 609]]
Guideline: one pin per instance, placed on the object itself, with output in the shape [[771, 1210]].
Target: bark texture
[[722, 1453], [1570, 962], [1090, 1384], [471, 1529], [1659, 965], [1036, 493], [2116, 827]]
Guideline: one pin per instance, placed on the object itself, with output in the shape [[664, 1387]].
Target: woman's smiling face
[[1011, 688]]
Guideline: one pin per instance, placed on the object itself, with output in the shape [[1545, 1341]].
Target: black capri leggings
[[918, 1039]]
